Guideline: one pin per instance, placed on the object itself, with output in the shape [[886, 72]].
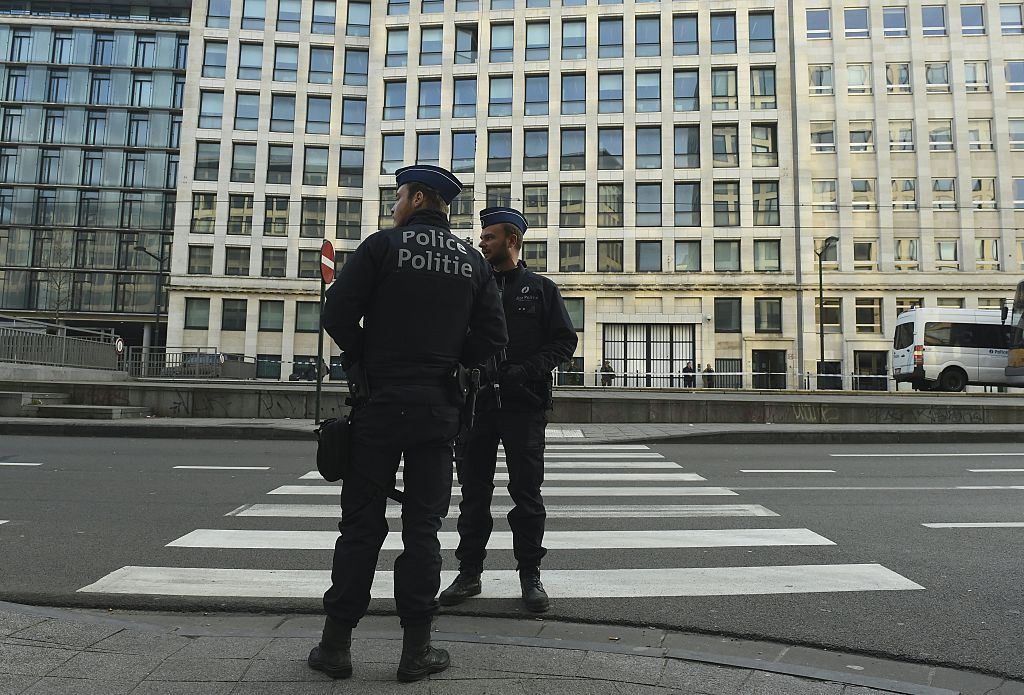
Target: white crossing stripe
[[553, 540], [226, 468], [877, 488], [597, 455], [573, 465], [989, 524], [785, 470], [562, 584], [937, 454], [12, 463], [3, 521], [597, 447], [678, 477], [557, 433], [552, 491], [996, 470], [600, 511]]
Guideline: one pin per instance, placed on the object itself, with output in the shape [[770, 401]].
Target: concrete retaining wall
[[10, 371]]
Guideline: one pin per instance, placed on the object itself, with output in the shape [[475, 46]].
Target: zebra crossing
[[582, 536]]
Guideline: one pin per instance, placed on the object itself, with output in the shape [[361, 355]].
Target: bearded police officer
[[511, 409], [411, 304]]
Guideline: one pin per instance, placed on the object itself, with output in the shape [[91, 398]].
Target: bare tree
[[59, 263]]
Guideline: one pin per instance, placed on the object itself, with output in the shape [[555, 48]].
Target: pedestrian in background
[[410, 304], [607, 374], [709, 377], [512, 410], [689, 375]]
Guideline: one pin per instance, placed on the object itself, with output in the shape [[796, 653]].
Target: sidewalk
[[47, 651], [604, 433]]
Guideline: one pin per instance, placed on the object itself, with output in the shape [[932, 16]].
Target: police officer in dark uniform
[[426, 302], [511, 409]]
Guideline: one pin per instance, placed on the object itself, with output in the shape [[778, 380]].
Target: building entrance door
[[769, 368], [871, 370], [649, 354]]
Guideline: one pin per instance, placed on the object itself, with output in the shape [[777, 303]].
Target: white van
[[947, 349]]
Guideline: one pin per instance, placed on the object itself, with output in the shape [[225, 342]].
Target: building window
[[933, 20], [535, 150], [609, 92], [535, 206], [570, 256], [1016, 128], [687, 204], [684, 35], [271, 310], [428, 148], [1015, 75], [574, 149], [215, 59], [318, 115], [862, 136], [863, 194], [314, 218], [944, 193], [250, 61], [537, 98], [821, 80], [940, 136], [687, 257], [986, 253], [824, 195], [723, 33], [307, 317], [273, 263], [609, 256], [353, 116], [53, 128], [535, 255], [762, 32], [904, 194], [905, 255], [864, 256], [687, 147], [648, 147], [726, 203], [499, 150], [430, 99], [350, 169], [610, 205], [247, 111], [465, 97], [501, 43], [1011, 19], [858, 79], [204, 212], [324, 16], [868, 314], [897, 78], [972, 20], [240, 214], [762, 88], [647, 37], [727, 256], [571, 211], [57, 88], [321, 65], [937, 77], [768, 315], [766, 203], [211, 109], [200, 260], [197, 313], [574, 39], [767, 256], [464, 152], [901, 136], [648, 92], [254, 14], [394, 101], [725, 143], [279, 164], [723, 90], [609, 148], [243, 163], [980, 134], [314, 170], [500, 101], [397, 55], [289, 15], [764, 142], [819, 24], [499, 196], [648, 257], [431, 43], [236, 262], [466, 48], [286, 63], [461, 210], [357, 66], [894, 22], [574, 94], [207, 161], [538, 40], [857, 23], [309, 263], [358, 21], [648, 204], [685, 90], [349, 219], [275, 221], [727, 314], [282, 113], [976, 75]]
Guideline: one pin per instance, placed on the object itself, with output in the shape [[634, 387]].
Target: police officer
[[511, 409], [426, 302]]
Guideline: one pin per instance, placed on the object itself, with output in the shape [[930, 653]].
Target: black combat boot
[[464, 586], [533, 591], [333, 655], [419, 659]]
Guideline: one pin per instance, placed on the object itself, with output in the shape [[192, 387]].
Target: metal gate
[[649, 354]]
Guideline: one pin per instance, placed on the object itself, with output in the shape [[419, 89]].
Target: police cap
[[489, 216], [441, 180]]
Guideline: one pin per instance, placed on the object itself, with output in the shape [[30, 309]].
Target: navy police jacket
[[425, 299], [540, 337]]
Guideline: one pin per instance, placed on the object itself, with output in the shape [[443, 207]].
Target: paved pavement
[[49, 651], [288, 429]]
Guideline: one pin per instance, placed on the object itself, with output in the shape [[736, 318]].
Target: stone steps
[[92, 412], [26, 403]]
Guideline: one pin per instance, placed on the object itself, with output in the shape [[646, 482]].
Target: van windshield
[[966, 335], [904, 337]]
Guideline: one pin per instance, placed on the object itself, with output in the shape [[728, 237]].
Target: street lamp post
[[159, 290], [825, 245]]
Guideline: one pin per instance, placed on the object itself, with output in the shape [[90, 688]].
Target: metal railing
[[25, 341], [729, 380], [188, 363]]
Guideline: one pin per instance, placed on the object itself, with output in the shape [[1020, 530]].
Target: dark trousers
[[523, 437], [381, 434]]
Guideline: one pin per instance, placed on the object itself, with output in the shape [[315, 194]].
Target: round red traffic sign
[[119, 345], [327, 262]]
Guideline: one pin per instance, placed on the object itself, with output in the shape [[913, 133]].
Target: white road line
[[226, 468], [598, 455], [502, 540], [562, 584], [597, 447], [929, 488], [996, 470], [992, 524], [785, 470], [502, 476], [11, 463], [576, 465], [547, 491], [598, 511], [936, 455], [3, 521]]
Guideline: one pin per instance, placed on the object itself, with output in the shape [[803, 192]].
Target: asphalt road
[[95, 506]]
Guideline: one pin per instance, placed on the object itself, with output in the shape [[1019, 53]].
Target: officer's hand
[[512, 374]]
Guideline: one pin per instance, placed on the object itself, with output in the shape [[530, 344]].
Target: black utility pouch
[[334, 448]]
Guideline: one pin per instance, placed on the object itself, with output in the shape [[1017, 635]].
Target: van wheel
[[953, 380]]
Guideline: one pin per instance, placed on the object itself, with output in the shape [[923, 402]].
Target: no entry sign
[[327, 262]]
